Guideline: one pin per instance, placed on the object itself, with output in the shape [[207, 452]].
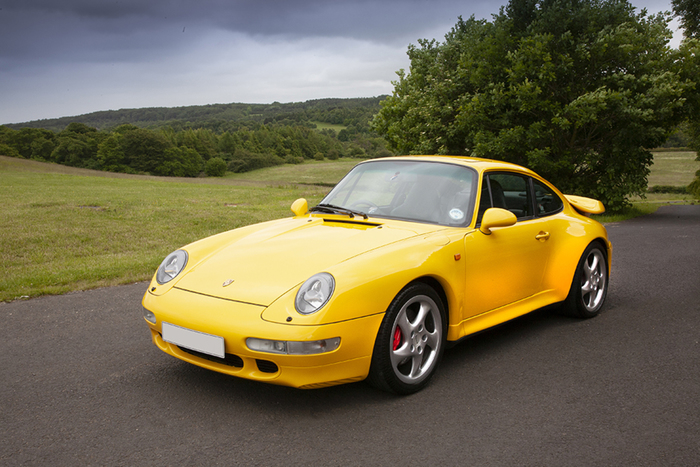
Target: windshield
[[434, 192]]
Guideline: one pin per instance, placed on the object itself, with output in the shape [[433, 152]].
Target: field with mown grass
[[64, 229], [673, 168]]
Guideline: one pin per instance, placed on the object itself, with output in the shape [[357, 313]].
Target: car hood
[[262, 265]]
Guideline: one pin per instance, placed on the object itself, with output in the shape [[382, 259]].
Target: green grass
[[65, 229], [673, 168]]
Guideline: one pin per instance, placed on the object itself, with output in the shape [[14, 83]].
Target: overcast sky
[[69, 57]]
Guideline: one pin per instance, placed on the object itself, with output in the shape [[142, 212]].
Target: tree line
[[185, 152], [352, 113]]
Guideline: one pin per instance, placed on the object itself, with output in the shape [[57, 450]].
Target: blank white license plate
[[194, 340]]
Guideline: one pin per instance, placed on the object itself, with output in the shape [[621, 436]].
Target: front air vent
[[230, 360], [344, 221], [267, 366]]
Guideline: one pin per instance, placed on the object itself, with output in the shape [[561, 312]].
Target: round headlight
[[171, 266], [314, 293]]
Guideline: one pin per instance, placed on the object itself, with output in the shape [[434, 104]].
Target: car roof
[[477, 163]]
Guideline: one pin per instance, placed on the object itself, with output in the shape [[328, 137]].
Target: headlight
[[314, 293], [171, 266]]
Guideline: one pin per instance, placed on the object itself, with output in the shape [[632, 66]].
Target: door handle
[[542, 236]]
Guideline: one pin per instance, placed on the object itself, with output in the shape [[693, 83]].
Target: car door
[[508, 265]]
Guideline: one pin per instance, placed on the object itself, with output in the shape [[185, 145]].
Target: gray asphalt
[[81, 384]]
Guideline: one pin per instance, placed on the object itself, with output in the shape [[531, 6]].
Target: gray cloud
[[73, 56]]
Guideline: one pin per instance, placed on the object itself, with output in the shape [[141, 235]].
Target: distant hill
[[225, 117]]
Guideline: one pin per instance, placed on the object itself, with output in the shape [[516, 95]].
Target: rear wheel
[[410, 341], [590, 285]]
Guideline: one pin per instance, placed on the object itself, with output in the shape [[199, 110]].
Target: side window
[[547, 201], [508, 191]]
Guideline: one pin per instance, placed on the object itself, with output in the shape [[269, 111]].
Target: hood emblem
[[227, 283]]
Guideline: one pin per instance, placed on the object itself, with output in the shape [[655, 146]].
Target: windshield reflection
[[434, 192]]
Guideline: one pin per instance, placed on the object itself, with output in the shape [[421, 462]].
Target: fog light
[[293, 348], [149, 316], [264, 345]]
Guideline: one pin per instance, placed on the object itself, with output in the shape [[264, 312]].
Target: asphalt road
[[81, 384]]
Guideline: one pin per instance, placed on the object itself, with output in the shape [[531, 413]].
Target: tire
[[590, 285], [410, 341]]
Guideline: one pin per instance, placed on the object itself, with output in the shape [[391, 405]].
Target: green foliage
[[245, 161], [689, 52], [681, 190], [679, 138], [689, 13], [255, 136], [228, 117], [215, 167], [694, 187], [9, 151], [135, 150], [578, 90]]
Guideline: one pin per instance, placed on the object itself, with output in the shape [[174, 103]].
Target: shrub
[[215, 167], [668, 189], [8, 151], [246, 161], [694, 187]]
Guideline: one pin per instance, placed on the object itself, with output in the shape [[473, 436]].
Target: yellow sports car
[[405, 256]]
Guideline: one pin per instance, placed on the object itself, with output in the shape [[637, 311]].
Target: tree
[[689, 13], [578, 90]]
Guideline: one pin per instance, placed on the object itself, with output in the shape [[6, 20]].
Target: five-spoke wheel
[[410, 341], [590, 284]]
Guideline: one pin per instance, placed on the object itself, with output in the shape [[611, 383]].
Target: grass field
[[673, 168], [65, 229]]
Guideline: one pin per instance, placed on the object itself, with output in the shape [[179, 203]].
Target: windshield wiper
[[331, 209]]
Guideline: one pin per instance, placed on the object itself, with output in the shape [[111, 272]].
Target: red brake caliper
[[397, 338]]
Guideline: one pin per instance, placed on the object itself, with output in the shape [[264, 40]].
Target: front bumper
[[236, 321]]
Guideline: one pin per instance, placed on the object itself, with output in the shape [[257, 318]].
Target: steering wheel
[[363, 202]]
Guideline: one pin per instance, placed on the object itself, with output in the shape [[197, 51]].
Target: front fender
[[366, 284]]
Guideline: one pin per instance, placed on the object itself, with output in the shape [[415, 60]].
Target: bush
[[293, 160], [694, 187], [8, 151], [215, 167], [668, 189], [246, 161]]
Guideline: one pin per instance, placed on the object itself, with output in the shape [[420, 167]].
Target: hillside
[[224, 117]]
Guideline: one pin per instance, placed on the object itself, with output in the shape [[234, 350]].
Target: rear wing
[[586, 205]]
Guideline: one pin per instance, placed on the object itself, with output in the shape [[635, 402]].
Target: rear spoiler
[[586, 205]]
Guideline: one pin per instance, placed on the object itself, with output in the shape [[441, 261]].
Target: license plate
[[194, 340]]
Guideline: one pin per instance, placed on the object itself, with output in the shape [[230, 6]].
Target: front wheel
[[590, 285], [410, 341]]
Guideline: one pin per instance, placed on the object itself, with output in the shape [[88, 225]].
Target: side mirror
[[496, 217], [300, 207]]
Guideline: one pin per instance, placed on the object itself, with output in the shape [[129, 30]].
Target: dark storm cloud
[[89, 29]]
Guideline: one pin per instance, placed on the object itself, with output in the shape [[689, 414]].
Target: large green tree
[[578, 90]]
